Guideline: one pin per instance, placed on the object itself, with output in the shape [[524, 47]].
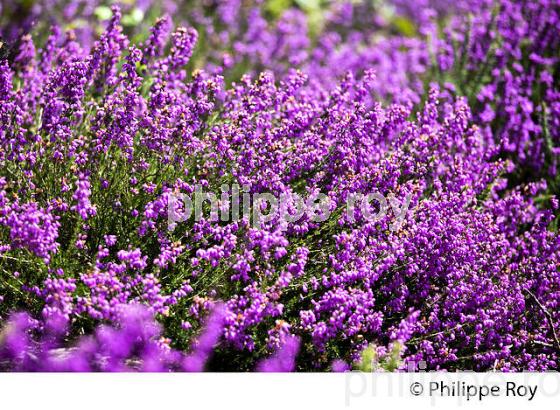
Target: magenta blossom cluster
[[95, 141], [136, 344], [505, 57], [501, 55]]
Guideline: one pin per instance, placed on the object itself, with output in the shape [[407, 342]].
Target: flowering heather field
[[447, 112]]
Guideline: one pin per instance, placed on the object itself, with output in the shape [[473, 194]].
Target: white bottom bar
[[276, 391]]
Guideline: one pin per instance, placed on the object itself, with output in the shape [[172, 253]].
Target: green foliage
[[371, 361]]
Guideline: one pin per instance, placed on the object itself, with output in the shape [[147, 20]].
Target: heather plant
[[83, 17], [504, 57], [134, 345], [98, 138]]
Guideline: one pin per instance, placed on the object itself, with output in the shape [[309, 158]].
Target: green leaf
[[103, 13], [134, 18], [277, 7], [309, 4], [404, 26], [368, 359]]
